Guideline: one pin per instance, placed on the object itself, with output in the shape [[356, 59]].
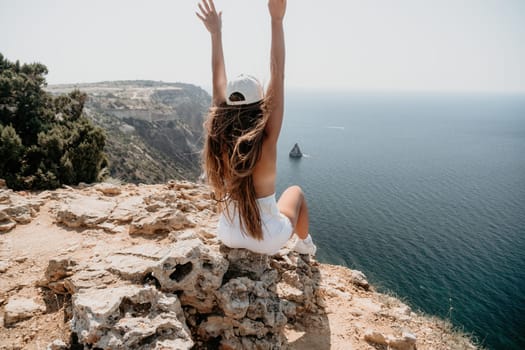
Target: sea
[[424, 193]]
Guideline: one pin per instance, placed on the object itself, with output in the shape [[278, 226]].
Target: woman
[[240, 151]]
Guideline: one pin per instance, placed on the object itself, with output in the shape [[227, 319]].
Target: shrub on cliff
[[45, 141]]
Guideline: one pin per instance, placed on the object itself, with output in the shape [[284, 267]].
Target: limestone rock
[[57, 344], [214, 326], [163, 221], [188, 265], [246, 263], [16, 208], [400, 313], [56, 271], [359, 279], [250, 327], [300, 280], [66, 276], [183, 235], [84, 211], [407, 341], [6, 224], [112, 228], [89, 277], [250, 312], [21, 213], [194, 268], [5, 196], [18, 309], [108, 189], [178, 185], [289, 292], [182, 289], [135, 263], [129, 317], [162, 198], [233, 297], [4, 265], [375, 337], [126, 209]]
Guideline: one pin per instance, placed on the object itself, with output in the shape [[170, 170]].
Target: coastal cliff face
[[154, 129], [139, 267]]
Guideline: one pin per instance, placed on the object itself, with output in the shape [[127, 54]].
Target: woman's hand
[[277, 9], [209, 16]]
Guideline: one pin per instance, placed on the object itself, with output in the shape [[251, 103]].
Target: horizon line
[[323, 89]]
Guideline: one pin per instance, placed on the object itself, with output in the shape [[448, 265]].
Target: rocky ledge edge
[[139, 267]]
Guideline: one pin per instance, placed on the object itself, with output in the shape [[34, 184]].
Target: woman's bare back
[[265, 171]]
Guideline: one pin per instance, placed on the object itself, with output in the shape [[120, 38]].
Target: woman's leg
[[293, 204]]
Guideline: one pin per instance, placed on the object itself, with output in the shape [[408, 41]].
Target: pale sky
[[422, 45]]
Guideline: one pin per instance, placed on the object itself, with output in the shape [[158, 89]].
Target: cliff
[[154, 129], [139, 267]]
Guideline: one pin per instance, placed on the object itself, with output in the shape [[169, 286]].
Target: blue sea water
[[423, 193]]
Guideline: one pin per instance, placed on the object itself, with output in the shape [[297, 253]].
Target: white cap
[[248, 87]]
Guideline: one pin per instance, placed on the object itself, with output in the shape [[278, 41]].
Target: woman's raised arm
[[213, 22], [275, 92]]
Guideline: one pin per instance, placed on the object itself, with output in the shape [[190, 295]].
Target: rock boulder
[[129, 317]]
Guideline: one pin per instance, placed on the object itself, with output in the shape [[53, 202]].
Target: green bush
[[45, 141]]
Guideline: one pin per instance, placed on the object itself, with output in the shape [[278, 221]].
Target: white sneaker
[[305, 246]]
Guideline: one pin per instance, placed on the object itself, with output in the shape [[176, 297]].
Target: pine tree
[[45, 141]]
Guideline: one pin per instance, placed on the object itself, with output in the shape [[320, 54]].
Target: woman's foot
[[305, 246]]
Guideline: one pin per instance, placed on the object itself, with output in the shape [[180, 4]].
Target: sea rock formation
[[296, 152]]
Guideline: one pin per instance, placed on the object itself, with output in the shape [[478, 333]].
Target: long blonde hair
[[232, 148]]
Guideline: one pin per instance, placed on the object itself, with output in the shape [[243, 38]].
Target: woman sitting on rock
[[240, 151]]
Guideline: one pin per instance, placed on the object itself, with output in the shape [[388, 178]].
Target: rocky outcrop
[[239, 299], [16, 208], [129, 317], [150, 215], [140, 267]]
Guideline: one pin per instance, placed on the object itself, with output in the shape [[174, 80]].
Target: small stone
[[409, 337], [108, 189], [7, 225], [4, 265], [406, 342], [359, 279], [372, 336], [57, 344], [21, 259], [181, 235]]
